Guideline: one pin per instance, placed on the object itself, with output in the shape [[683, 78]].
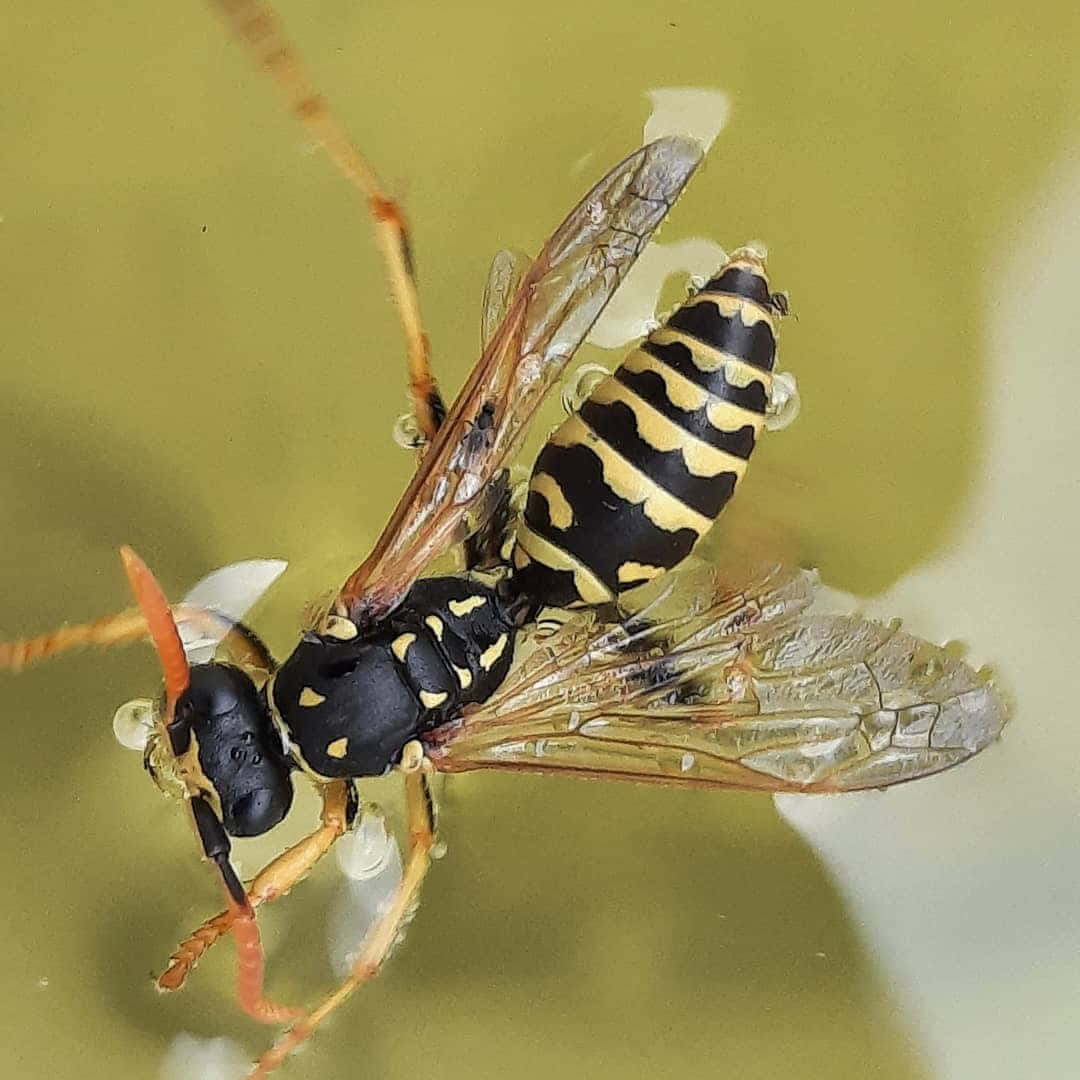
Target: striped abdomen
[[630, 482]]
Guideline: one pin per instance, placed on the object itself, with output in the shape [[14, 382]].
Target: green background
[[199, 358]]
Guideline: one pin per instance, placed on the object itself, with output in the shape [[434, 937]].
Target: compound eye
[[258, 811]]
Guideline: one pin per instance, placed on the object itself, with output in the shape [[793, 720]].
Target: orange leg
[[110, 630], [274, 880], [249, 955], [384, 933], [127, 626], [256, 24], [249, 967]]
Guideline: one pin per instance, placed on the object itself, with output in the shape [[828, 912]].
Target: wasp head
[[223, 735]]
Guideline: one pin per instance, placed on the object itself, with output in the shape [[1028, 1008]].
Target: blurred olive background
[[200, 359]]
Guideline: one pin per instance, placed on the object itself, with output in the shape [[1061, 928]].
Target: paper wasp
[[711, 676]]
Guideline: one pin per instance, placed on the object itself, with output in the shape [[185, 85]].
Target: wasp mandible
[[581, 637]]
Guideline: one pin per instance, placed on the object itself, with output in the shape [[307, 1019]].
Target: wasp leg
[[257, 25], [127, 626], [382, 936], [110, 630], [274, 880], [249, 955]]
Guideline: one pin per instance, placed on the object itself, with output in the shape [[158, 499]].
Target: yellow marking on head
[[337, 626], [190, 771], [464, 676], [520, 557], [662, 433], [630, 483], [309, 697], [400, 645], [430, 699], [435, 625], [463, 607], [559, 509], [490, 656], [338, 748], [589, 587], [709, 360], [635, 571]]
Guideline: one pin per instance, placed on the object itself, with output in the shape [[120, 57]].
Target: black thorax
[[350, 699]]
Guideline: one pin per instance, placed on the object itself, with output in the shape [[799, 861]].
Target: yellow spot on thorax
[[309, 697], [400, 645], [464, 676], [338, 748], [490, 656], [435, 625], [431, 699], [337, 626], [463, 607]]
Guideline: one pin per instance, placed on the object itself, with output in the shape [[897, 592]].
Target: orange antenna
[[162, 627]]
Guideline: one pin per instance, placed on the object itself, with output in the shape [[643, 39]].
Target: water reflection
[[966, 888]]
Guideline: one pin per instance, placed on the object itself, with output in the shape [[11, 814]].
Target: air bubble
[[784, 401], [133, 723], [212, 1059], [580, 384], [371, 862], [367, 850], [406, 432]]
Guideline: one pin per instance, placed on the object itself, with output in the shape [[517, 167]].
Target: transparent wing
[[489, 520], [508, 270], [229, 592], [558, 300], [742, 689]]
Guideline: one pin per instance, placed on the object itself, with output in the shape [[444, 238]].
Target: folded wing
[[557, 301]]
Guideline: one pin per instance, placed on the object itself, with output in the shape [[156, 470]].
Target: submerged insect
[[533, 658]]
